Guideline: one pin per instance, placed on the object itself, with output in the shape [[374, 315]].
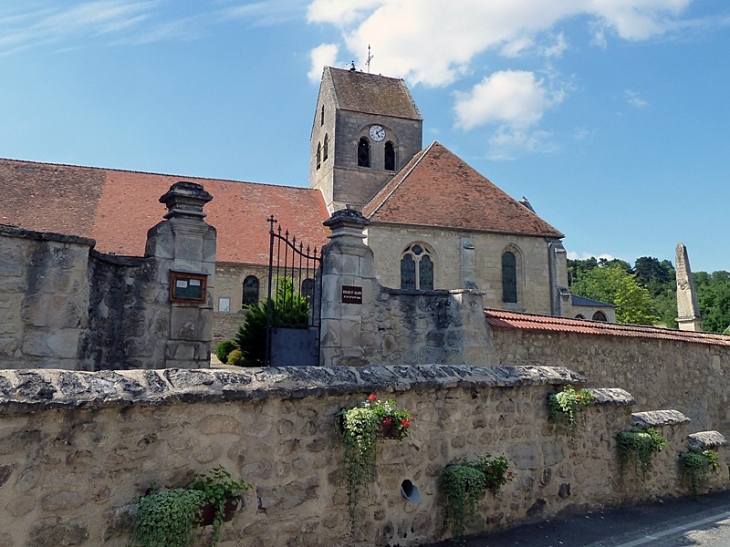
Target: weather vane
[[370, 58]]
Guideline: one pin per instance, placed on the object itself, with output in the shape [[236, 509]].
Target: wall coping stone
[[703, 440], [14, 231], [613, 396], [657, 418], [119, 260], [26, 391]]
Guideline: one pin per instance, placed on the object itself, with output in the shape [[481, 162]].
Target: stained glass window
[[509, 278], [416, 268]]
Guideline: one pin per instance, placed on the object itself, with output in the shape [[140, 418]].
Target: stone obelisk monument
[[688, 310]]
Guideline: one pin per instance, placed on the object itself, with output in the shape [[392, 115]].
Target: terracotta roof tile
[[116, 208], [500, 319], [437, 188], [372, 94]]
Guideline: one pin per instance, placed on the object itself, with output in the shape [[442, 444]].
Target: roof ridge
[[421, 155], [135, 171]]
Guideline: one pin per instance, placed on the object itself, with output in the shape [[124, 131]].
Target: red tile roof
[[437, 188], [116, 208], [500, 319], [372, 94]]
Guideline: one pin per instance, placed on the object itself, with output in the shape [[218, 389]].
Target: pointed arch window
[[363, 152], [250, 291], [389, 163], [321, 119], [326, 147], [416, 268], [319, 155], [509, 278]]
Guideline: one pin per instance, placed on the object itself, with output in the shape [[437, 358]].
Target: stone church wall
[[454, 267], [691, 377], [76, 450]]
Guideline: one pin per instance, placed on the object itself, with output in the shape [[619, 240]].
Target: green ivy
[[696, 465], [464, 484], [362, 428], [640, 444], [566, 406], [167, 518]]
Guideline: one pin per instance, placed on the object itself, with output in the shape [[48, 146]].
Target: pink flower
[[372, 397], [405, 422], [388, 420], [510, 474]]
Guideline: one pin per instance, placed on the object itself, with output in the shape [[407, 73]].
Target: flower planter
[[388, 431], [207, 511]]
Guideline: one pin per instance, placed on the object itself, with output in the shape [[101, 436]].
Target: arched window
[[416, 268], [509, 278], [389, 163], [326, 147], [321, 120], [600, 316], [319, 155], [363, 153], [250, 291], [307, 288]]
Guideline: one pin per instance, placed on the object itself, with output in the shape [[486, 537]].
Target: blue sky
[[610, 116]]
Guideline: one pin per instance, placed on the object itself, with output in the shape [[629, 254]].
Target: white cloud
[[434, 42], [509, 143], [633, 98], [512, 97], [323, 55]]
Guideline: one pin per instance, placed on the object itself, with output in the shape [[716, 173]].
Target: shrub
[[224, 349], [235, 358], [289, 310], [695, 465], [566, 406]]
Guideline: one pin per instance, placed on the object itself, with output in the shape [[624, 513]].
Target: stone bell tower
[[366, 128]]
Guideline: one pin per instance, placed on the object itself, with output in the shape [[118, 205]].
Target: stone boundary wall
[[77, 448], [44, 298], [689, 377]]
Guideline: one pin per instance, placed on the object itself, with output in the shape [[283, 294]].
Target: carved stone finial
[[186, 199], [688, 309]]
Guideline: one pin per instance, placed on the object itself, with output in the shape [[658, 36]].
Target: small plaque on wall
[[188, 287], [351, 295]]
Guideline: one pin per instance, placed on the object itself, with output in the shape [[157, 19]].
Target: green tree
[[613, 283], [288, 310], [713, 296]]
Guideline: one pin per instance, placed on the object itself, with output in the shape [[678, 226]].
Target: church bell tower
[[366, 128]]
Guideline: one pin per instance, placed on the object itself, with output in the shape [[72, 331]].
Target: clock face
[[377, 133]]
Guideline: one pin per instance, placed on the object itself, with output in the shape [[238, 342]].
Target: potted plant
[[167, 518], [464, 484], [362, 427]]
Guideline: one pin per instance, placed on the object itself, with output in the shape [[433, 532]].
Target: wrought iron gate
[[293, 303]]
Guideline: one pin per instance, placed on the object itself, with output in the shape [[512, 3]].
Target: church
[[435, 222]]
